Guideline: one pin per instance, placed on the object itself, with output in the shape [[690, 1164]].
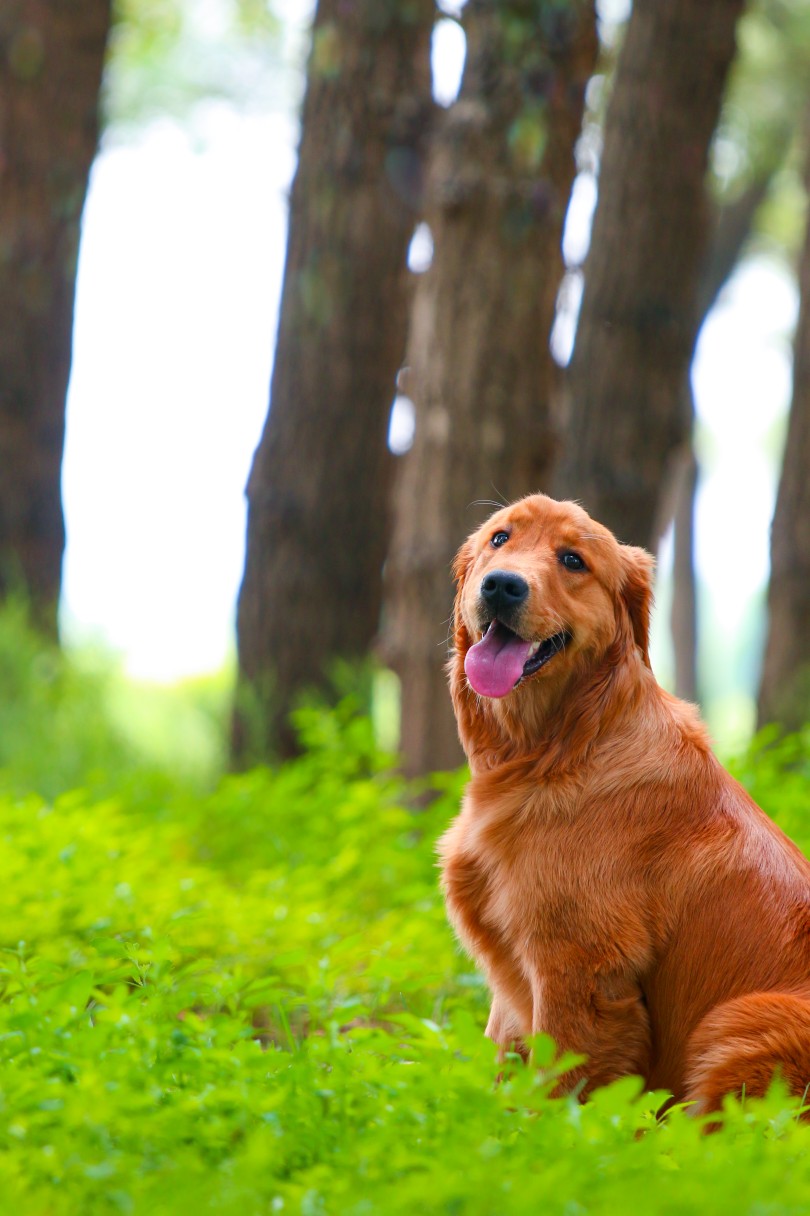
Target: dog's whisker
[[485, 502]]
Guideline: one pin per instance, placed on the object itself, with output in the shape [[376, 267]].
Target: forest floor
[[240, 994]]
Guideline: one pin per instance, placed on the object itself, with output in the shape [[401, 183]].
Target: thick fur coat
[[619, 889]]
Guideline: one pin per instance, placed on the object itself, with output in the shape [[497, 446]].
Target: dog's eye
[[500, 538], [572, 561]]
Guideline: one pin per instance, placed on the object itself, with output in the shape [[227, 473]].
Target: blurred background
[[533, 245], [291, 296]]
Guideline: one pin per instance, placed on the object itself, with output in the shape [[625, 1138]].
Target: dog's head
[[545, 595]]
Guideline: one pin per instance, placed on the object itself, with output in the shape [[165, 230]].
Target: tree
[[51, 61], [628, 409], [318, 493], [784, 692], [731, 227], [751, 206], [683, 617], [479, 364]]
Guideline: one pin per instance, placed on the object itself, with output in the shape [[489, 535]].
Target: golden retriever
[[620, 890]]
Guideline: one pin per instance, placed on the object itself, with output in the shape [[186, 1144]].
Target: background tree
[[731, 228], [638, 322], [480, 371], [784, 692], [51, 61], [752, 201], [318, 493]]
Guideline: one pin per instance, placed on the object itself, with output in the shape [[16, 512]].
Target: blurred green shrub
[[775, 769], [55, 728], [71, 718]]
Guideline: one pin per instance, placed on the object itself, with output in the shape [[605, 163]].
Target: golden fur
[[619, 889]]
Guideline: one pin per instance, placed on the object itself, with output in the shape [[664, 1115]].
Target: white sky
[[179, 277], [742, 382]]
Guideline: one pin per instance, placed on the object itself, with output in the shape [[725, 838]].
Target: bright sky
[[742, 380], [180, 269]]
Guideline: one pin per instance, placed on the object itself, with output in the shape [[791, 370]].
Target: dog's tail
[[739, 1046]]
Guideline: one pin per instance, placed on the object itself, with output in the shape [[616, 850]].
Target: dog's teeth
[[533, 649]]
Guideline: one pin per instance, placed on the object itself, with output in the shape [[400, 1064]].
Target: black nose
[[502, 591]]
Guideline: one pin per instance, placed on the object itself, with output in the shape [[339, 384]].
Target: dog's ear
[[636, 592], [462, 561], [477, 729], [461, 564], [460, 691]]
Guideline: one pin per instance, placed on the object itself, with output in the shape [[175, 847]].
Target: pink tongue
[[495, 664]]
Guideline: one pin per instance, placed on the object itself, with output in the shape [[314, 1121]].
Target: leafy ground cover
[[242, 996]]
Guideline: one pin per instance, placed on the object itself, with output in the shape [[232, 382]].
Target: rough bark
[[784, 692], [480, 372], [319, 487], [628, 413], [51, 61]]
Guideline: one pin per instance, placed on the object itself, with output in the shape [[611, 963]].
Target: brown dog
[[620, 890]]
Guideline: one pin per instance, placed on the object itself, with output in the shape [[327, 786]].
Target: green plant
[[249, 1001]]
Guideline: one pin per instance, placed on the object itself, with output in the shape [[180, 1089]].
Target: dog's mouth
[[502, 658]]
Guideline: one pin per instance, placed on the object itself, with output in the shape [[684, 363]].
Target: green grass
[[242, 996]]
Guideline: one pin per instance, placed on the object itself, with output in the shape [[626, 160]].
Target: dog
[[620, 890]]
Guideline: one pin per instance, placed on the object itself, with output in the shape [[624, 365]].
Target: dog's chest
[[526, 885]]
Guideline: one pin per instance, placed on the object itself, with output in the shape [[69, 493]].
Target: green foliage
[[249, 1001], [166, 56], [762, 133], [54, 729], [181, 727], [776, 771], [69, 720]]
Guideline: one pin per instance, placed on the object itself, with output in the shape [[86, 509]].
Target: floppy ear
[[461, 564], [477, 729], [460, 692], [636, 592]]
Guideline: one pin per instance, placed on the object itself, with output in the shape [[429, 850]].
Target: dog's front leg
[[600, 1015], [504, 1029]]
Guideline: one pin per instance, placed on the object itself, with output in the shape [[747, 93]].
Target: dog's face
[[543, 592]]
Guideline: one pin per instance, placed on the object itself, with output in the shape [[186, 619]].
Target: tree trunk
[[638, 322], [51, 60], [319, 487], [683, 617], [784, 692], [731, 227], [501, 172]]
